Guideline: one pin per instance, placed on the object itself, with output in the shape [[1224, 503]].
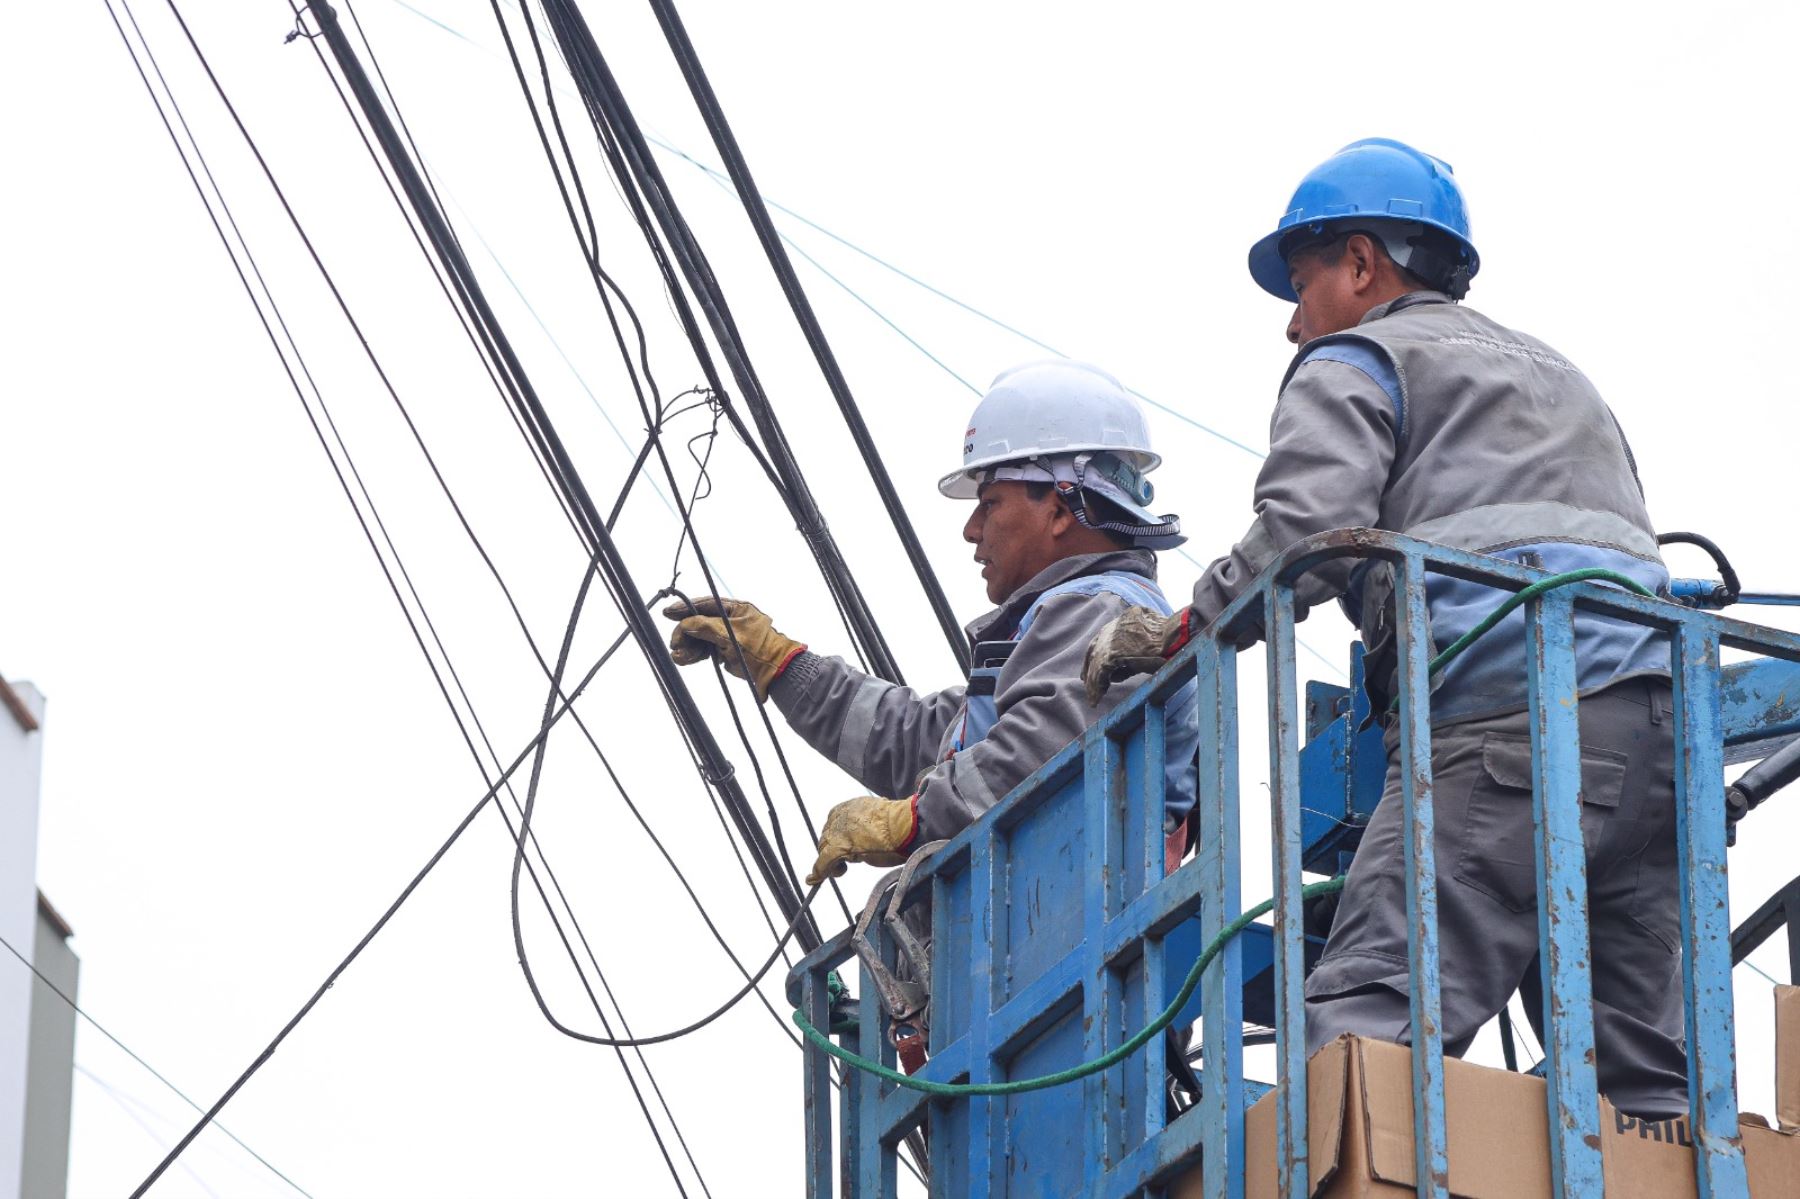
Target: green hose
[[1104, 1062], [1585, 574], [1167, 1016]]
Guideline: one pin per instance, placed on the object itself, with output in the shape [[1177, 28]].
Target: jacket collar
[[1401, 303], [1006, 617]]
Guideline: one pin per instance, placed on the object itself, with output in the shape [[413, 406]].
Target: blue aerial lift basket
[[1056, 935]]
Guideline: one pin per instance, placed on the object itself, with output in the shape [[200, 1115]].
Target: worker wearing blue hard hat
[[1407, 200], [1406, 410]]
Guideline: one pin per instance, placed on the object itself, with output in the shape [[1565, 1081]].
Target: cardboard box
[[1360, 1142], [1787, 1057], [1655, 1159]]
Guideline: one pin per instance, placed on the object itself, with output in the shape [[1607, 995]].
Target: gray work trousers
[[1487, 896]]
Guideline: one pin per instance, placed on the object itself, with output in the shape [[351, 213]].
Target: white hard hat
[[1054, 407]]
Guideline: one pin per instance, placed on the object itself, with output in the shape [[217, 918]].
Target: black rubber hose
[[1769, 775], [1729, 576]]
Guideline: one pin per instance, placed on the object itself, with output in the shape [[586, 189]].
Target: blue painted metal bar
[[1151, 1164], [874, 1168], [1011, 996], [1154, 913], [1101, 789], [1705, 916], [985, 1118], [1571, 1090], [1155, 1101], [1761, 699], [1222, 1029], [816, 1086], [901, 1109], [1291, 1169], [1431, 1152], [950, 937], [1147, 841], [1039, 1001]]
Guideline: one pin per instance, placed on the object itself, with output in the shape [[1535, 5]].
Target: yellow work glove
[[869, 829], [1137, 641], [701, 633]]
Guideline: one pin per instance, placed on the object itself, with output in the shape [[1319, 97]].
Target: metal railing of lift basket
[[1115, 973]]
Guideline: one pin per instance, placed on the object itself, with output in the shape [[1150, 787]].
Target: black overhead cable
[[603, 282], [520, 860], [654, 423], [481, 550], [782, 858], [406, 893], [715, 768], [135, 1109], [726, 143], [683, 311], [444, 287], [521, 835], [643, 379], [607, 105], [370, 536]]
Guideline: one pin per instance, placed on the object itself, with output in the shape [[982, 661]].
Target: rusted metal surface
[[1431, 1143], [1014, 996], [1222, 990], [1705, 915], [816, 1087], [1292, 1175], [1571, 1089]]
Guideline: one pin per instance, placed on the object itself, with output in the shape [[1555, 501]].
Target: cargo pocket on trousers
[[1496, 857]]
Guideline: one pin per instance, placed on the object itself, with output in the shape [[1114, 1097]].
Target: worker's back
[[1504, 447]]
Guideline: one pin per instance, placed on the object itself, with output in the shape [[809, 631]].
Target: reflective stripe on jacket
[[895, 741], [1182, 717], [1429, 419]]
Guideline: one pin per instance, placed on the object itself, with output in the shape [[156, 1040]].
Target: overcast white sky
[[246, 757]]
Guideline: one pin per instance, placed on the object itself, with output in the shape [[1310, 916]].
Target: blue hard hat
[[1382, 185]]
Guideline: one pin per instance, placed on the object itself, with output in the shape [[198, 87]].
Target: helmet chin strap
[[1143, 536], [1103, 476]]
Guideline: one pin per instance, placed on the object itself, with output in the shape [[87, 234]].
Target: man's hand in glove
[[701, 633], [877, 831], [1137, 641]]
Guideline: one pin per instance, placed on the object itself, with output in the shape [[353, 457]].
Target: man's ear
[[1364, 260], [1062, 517]]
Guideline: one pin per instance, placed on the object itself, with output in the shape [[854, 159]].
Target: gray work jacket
[[1429, 419], [896, 742]]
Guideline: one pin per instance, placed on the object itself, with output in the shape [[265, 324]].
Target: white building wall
[[20, 765]]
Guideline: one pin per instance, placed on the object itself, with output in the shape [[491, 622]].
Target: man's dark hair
[[1099, 510], [1331, 251]]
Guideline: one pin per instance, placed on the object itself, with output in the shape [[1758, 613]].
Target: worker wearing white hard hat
[[1055, 458], [1074, 427]]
